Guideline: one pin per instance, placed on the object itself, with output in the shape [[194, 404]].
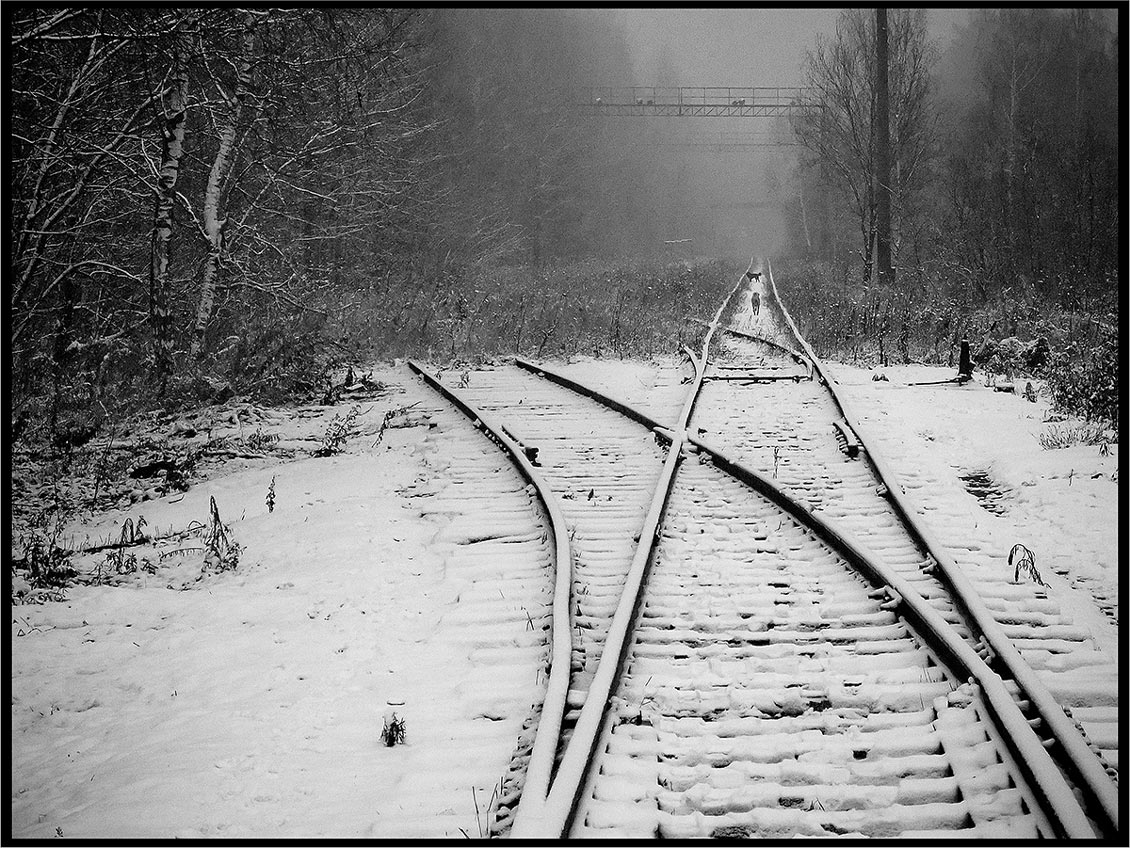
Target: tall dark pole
[[882, 152]]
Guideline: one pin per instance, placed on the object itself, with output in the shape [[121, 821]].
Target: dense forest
[[1006, 197], [218, 201]]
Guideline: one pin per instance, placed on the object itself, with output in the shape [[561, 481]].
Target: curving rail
[[551, 797], [552, 817], [1029, 753], [540, 766], [1081, 762]]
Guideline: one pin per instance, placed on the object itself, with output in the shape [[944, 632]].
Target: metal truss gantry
[[695, 102]]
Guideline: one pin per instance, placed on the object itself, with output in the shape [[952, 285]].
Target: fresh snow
[[251, 702], [940, 433]]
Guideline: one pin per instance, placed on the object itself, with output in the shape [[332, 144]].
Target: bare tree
[[882, 134], [79, 109], [68, 138], [234, 96], [171, 101], [1032, 176], [171, 166], [841, 136]]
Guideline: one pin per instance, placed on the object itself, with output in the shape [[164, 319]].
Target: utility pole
[[882, 136]]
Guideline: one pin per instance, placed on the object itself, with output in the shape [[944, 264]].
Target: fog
[[736, 46], [728, 193], [429, 159]]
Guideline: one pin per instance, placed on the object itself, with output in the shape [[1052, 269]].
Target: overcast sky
[[739, 47]]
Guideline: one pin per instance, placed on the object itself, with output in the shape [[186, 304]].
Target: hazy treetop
[[734, 47]]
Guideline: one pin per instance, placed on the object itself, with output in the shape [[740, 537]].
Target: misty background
[[208, 202], [732, 47]]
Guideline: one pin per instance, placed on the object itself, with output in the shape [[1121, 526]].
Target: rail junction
[[753, 631]]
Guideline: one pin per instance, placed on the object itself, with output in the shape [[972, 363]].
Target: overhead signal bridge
[[692, 102]]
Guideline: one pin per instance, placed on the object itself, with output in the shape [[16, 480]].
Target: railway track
[[760, 642]]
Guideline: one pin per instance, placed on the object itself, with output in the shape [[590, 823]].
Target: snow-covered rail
[[1009, 617], [539, 765], [600, 816], [700, 704]]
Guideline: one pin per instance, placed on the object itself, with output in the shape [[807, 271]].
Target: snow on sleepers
[[540, 764], [947, 616], [764, 695], [796, 422], [779, 699], [572, 770], [625, 410], [603, 467], [494, 617], [1079, 760], [796, 355], [713, 535], [773, 633], [1040, 769], [573, 767]]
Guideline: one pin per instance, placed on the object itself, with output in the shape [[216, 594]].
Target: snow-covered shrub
[[220, 552], [398, 417], [927, 314], [275, 358], [1025, 563], [1010, 356], [47, 564], [339, 431], [1083, 380], [625, 307], [1003, 357], [260, 441], [1070, 435]]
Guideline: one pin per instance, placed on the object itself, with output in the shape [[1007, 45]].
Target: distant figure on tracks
[[755, 303]]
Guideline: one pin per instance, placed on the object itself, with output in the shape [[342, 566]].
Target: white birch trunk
[[173, 103], [214, 193]]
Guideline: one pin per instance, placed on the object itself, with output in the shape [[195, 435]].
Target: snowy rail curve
[[755, 712]]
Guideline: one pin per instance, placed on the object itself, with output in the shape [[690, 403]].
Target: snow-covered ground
[[1062, 504], [251, 702]]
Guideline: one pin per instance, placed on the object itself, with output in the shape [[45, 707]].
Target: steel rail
[[539, 769], [558, 806], [799, 357], [1028, 751], [554, 817], [1043, 776], [1082, 763], [574, 772]]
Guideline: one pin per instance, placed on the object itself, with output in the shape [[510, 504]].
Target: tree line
[[202, 198], [1004, 148], [206, 201], [179, 173]]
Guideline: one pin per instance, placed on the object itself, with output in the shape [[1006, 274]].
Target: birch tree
[[233, 96], [171, 103], [318, 178]]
